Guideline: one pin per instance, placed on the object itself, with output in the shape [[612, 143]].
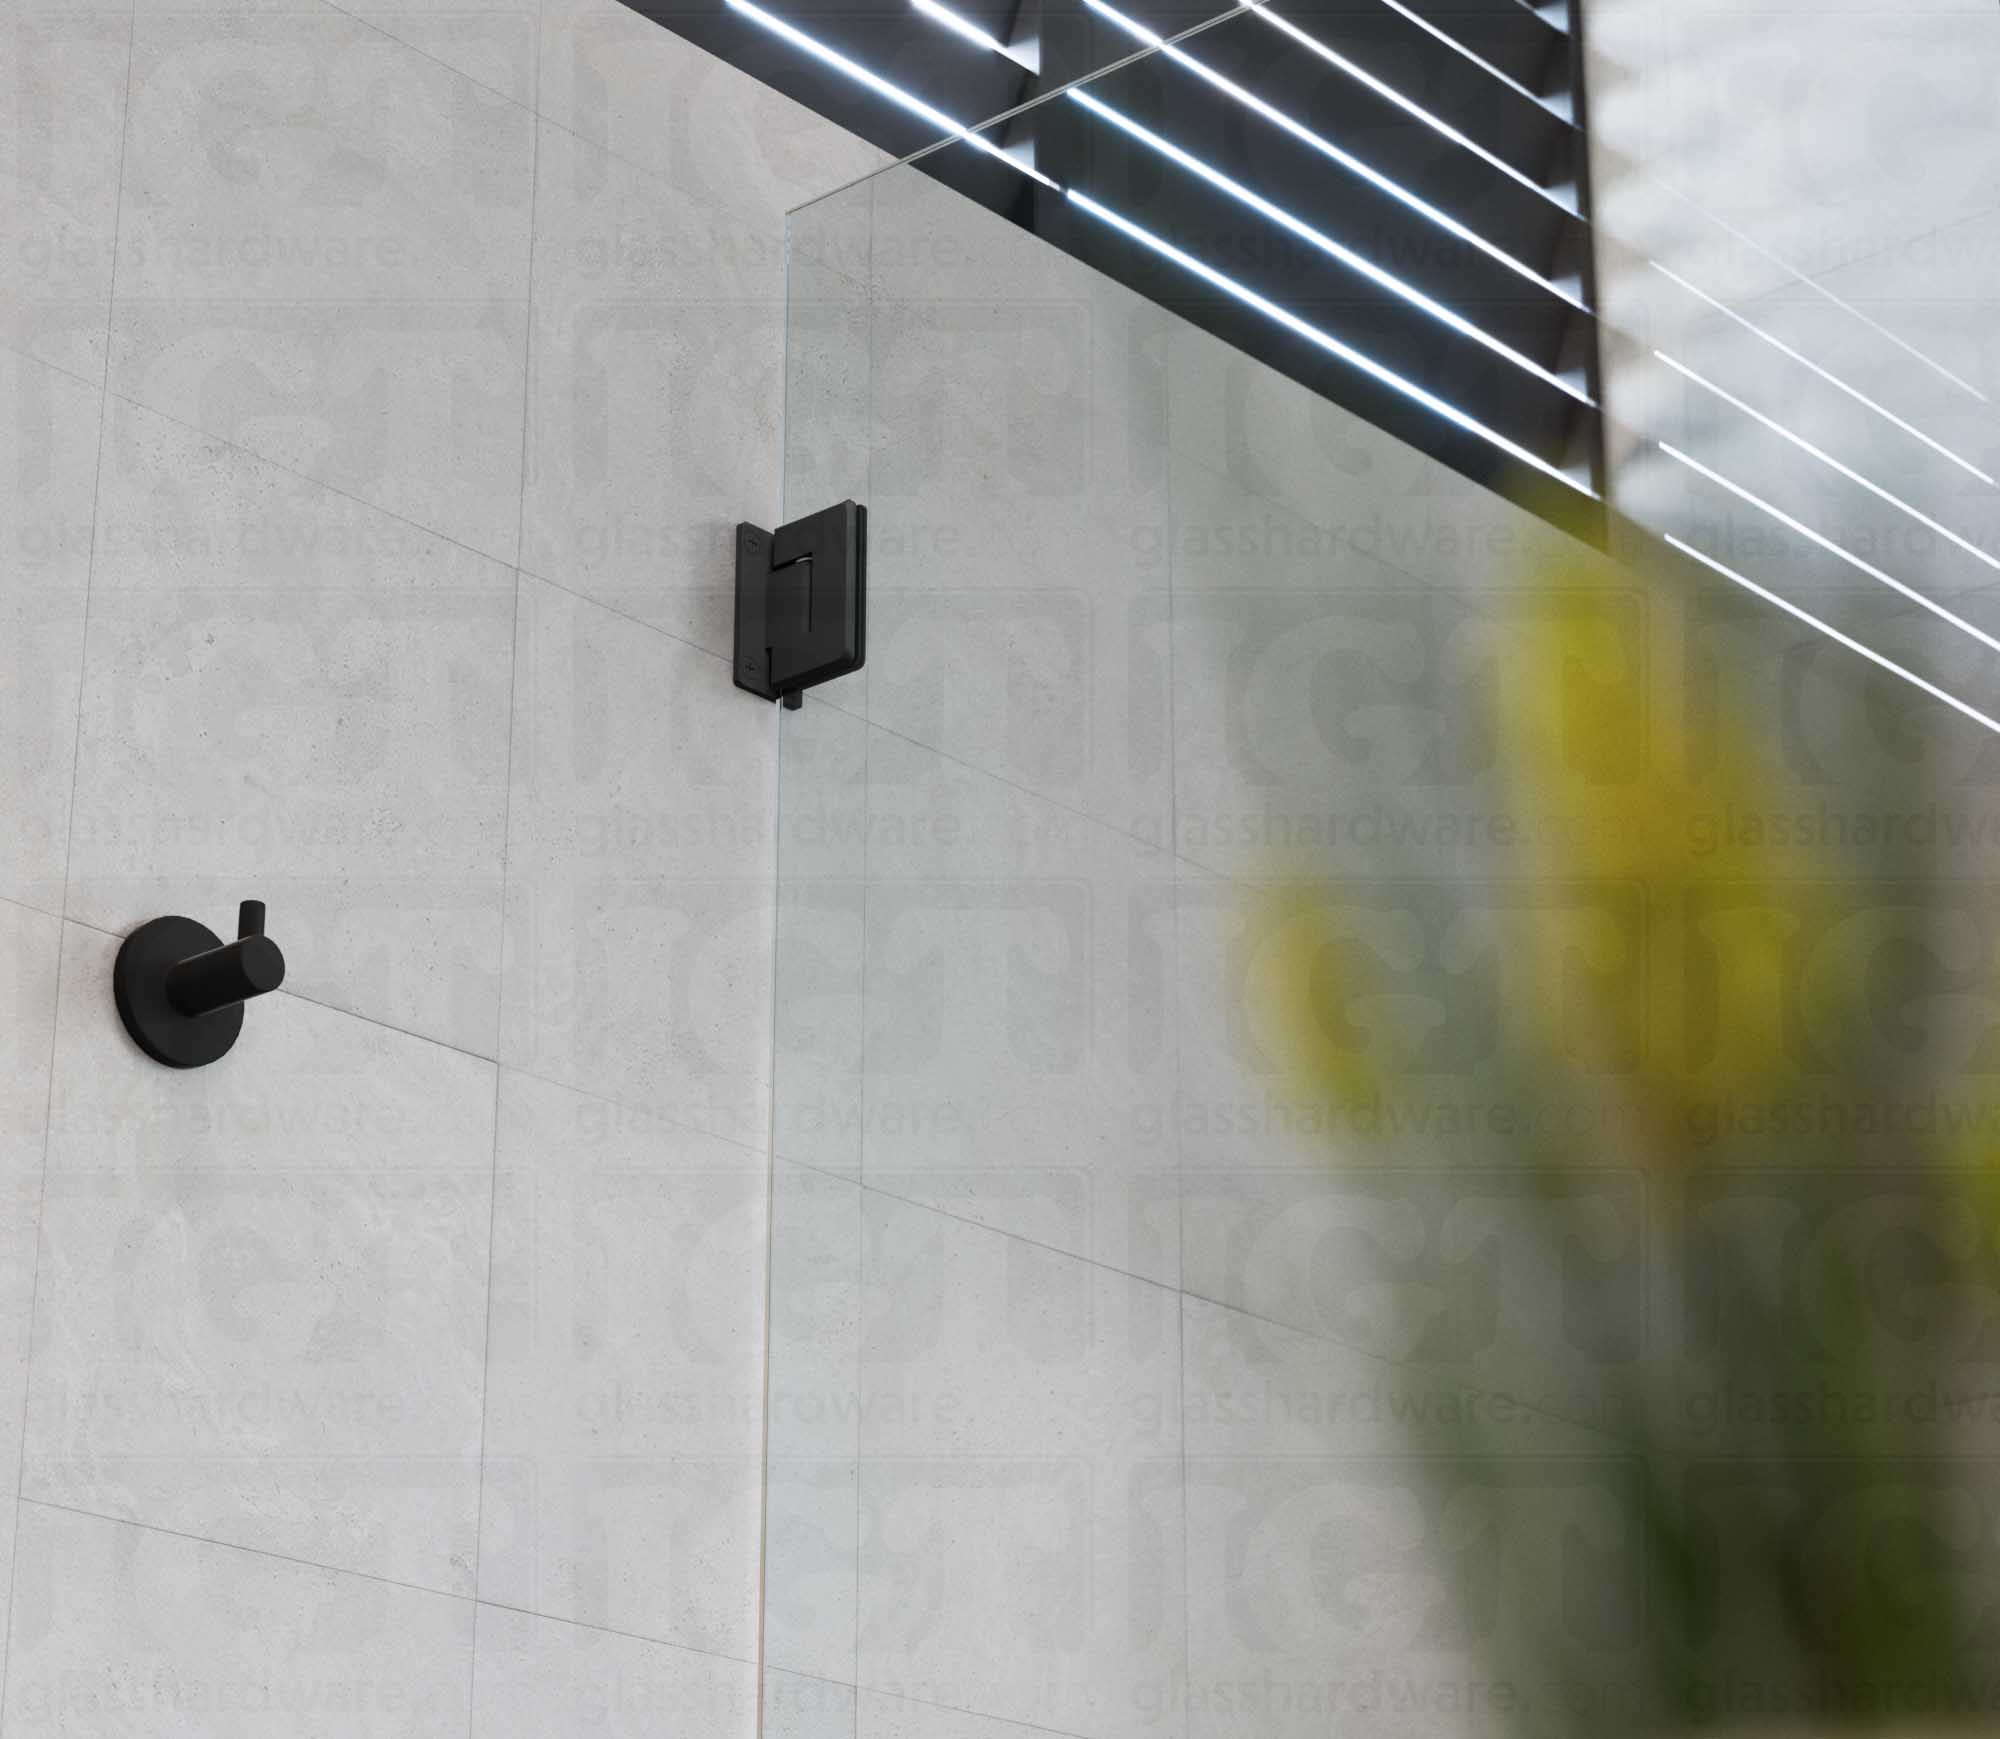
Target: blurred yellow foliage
[[1678, 998]]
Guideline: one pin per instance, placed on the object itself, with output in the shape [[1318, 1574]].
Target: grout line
[[1184, 1292], [383, 1581], [613, 1630], [890, 1195], [1095, 821], [741, 215], [636, 1107], [117, 222], [532, 107], [518, 568], [527, 346], [1179, 891], [333, 489], [926, 1703], [457, 71], [625, 615], [69, 839], [55, 368], [493, 1214], [952, 1709], [1176, 1001], [103, 447], [472, 1653], [1459, 1385], [29, 906], [874, 307], [42, 1503], [1187, 1548], [861, 1145], [777, 728], [28, 1357]]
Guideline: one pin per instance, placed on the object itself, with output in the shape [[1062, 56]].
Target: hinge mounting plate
[[801, 597]]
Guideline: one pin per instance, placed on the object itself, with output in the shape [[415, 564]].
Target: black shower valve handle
[[180, 988]]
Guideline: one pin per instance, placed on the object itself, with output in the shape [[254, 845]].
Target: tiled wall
[[378, 388], [1092, 1362]]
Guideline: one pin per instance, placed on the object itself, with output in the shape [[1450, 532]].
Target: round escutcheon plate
[[139, 982]]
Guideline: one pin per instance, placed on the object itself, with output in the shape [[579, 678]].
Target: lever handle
[[181, 989]]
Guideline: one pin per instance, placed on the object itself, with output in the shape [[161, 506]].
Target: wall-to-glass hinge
[[801, 593]]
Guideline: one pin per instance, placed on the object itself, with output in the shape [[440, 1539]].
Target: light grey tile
[[263, 1287], [300, 156], [796, 1707], [1019, 1067], [1374, 731], [41, 663], [293, 697], [812, 1410], [639, 882], [933, 243], [823, 769], [834, 233], [655, 393], [537, 1676], [184, 510], [220, 1639], [48, 455], [48, 458], [616, 78], [1369, 1545], [1020, 1480], [625, 1382], [829, 387], [1258, 1390], [29, 945], [819, 1020], [324, 258], [878, 1716], [975, 1342], [415, 407], [62, 115], [1019, 614], [1272, 996], [1229, 538], [1355, 1087], [1372, 495], [829, 366], [933, 248], [491, 41]]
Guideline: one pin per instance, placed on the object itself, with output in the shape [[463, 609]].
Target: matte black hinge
[[801, 595]]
